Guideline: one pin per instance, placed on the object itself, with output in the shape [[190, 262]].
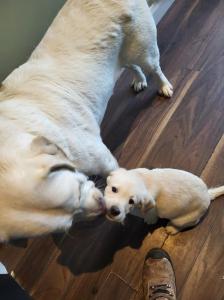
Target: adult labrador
[[51, 108]]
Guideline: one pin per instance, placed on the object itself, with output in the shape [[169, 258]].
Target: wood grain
[[186, 247], [102, 260], [120, 289]]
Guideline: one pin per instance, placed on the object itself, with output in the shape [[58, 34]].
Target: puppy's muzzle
[[114, 211]]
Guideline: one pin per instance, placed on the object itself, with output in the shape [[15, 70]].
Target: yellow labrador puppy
[[51, 108], [179, 196]]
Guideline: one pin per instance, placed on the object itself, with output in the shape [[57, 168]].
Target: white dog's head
[[124, 191], [40, 190]]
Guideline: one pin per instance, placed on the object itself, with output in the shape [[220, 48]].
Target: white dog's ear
[[41, 145], [52, 157]]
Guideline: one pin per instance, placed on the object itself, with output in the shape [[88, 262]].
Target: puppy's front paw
[[139, 86], [166, 90], [171, 230]]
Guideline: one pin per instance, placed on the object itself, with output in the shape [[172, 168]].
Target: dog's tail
[[216, 192]]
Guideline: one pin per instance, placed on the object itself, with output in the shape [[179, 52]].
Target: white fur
[[51, 108], [179, 196]]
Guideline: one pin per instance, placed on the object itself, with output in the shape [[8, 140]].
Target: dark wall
[[22, 25]]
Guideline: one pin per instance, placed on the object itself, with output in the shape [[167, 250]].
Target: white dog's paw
[[171, 230], [110, 165], [166, 90], [139, 86]]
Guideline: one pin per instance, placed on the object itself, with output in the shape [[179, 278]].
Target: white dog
[[51, 108], [179, 196]]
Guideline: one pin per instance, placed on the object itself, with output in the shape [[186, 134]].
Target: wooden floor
[[103, 260]]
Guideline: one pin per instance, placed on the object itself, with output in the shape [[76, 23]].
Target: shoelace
[[160, 291]]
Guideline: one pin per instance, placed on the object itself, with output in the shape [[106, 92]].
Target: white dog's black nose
[[114, 211]]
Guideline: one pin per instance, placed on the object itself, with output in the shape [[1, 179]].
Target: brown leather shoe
[[158, 276]]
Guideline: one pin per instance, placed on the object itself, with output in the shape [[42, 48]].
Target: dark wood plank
[[146, 133], [54, 282], [212, 53], [115, 288], [187, 38], [76, 264], [196, 125], [88, 286], [92, 250], [37, 257], [180, 12], [10, 254], [129, 262], [206, 278], [186, 247]]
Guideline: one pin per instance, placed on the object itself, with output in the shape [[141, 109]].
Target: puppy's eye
[[114, 189], [131, 202]]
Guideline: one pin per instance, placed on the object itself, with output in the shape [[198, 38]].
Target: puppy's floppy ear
[[54, 157], [117, 171]]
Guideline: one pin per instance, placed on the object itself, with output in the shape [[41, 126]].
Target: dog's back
[[88, 24]]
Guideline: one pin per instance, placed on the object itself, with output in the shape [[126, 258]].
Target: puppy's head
[[124, 191], [38, 183]]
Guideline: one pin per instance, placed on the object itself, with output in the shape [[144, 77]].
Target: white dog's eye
[[131, 201], [114, 189]]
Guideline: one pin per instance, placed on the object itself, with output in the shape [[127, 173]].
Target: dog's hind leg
[[150, 59], [174, 229], [139, 82], [183, 222], [151, 65], [141, 49]]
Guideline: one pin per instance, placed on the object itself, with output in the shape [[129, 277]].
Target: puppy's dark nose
[[114, 211]]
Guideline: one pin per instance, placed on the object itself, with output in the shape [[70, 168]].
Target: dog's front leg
[[139, 82], [105, 162]]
